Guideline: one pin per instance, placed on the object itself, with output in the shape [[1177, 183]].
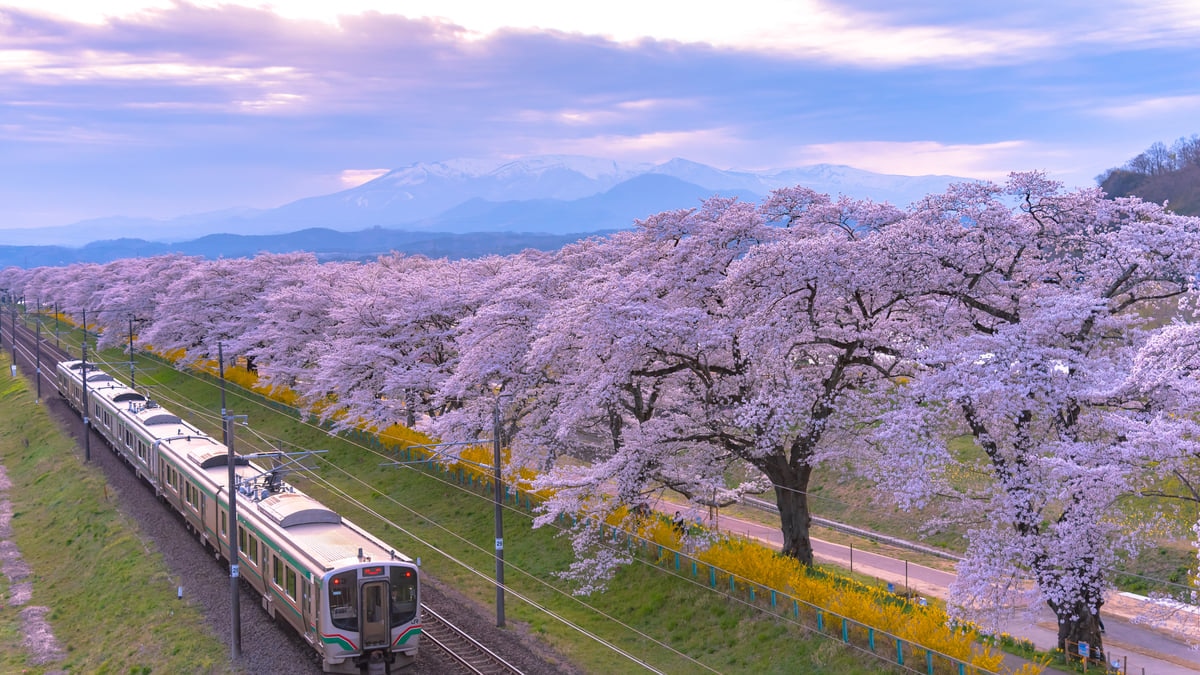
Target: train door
[[306, 602], [376, 615], [204, 519]]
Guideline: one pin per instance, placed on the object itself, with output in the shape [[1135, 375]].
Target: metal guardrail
[[764, 505]]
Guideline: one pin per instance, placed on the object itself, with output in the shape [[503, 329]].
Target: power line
[[253, 401]]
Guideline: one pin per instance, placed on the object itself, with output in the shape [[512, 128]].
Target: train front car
[[354, 598], [370, 616]]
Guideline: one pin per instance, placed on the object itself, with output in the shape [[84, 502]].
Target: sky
[[160, 109]]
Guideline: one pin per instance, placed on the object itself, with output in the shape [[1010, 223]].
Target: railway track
[[457, 646], [461, 647]]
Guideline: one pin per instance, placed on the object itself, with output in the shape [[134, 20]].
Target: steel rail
[[463, 648]]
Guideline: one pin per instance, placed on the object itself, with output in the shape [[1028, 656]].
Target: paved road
[[1147, 651]]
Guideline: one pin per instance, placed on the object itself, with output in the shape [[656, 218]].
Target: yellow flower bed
[[927, 626]]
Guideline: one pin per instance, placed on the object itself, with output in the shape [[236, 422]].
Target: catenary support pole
[[235, 616], [221, 374], [37, 350], [87, 432], [131, 380], [499, 499]]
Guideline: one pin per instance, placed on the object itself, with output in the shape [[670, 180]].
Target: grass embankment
[[113, 604], [647, 611]]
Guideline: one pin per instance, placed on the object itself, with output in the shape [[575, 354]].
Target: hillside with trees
[[1160, 174]]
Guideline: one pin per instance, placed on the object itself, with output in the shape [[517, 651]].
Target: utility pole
[[221, 373], [56, 324], [131, 380], [235, 622], [235, 641], [499, 499], [87, 432], [37, 349]]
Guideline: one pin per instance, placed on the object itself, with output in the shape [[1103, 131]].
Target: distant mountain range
[[432, 207]]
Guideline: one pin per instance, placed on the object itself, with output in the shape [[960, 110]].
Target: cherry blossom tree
[[1045, 299], [218, 303], [819, 311], [133, 290], [393, 339], [713, 340], [287, 334], [491, 345]]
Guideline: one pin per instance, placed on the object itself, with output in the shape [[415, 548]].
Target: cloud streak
[[148, 109]]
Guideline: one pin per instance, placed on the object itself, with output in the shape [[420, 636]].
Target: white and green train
[[349, 595]]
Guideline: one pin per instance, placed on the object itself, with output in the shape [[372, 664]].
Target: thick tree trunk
[[791, 495], [1077, 624]]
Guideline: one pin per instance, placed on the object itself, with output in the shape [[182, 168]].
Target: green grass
[[647, 612], [113, 604]]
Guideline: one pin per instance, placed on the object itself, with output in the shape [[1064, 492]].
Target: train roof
[[310, 528], [289, 509]]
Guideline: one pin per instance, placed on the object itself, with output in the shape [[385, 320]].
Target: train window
[[252, 552], [277, 571], [241, 539], [404, 595], [343, 600], [225, 524], [290, 582]]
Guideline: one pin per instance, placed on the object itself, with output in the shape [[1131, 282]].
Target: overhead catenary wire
[[251, 400], [360, 505]]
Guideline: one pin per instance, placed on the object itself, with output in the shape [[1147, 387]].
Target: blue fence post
[[871, 639], [712, 576], [845, 630], [929, 662], [676, 564], [899, 652], [795, 609], [773, 604], [751, 592], [732, 584], [695, 569], [820, 621]]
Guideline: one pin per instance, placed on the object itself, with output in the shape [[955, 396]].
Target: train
[[353, 599]]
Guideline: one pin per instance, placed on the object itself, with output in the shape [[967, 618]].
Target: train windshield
[[343, 600], [404, 595]]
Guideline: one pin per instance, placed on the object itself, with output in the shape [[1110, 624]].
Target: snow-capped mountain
[[553, 194]]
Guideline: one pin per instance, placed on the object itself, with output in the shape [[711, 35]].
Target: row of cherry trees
[[769, 340]]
